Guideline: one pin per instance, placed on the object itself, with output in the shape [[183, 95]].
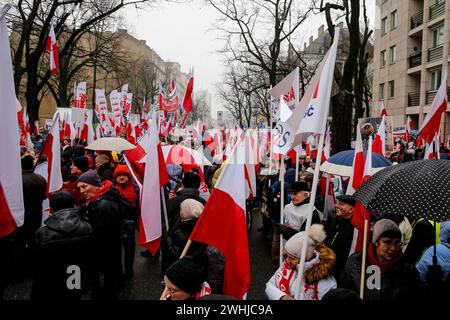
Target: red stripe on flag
[[7, 222], [222, 225]]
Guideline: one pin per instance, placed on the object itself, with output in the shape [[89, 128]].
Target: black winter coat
[[401, 282], [34, 192], [173, 205], [422, 238], [104, 215], [175, 240], [339, 239], [65, 240]]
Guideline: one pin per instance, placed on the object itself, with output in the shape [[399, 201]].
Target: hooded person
[[124, 183], [104, 212], [63, 241], [185, 279], [442, 255], [317, 278], [79, 166], [174, 240], [398, 280]]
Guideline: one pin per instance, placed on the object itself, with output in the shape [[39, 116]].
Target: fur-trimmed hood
[[323, 268]]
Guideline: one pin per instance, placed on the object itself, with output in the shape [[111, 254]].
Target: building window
[[391, 89], [381, 96], [393, 52], [383, 59], [436, 76], [438, 36], [394, 20], [384, 26]]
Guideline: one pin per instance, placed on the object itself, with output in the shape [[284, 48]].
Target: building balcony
[[414, 99], [415, 60], [417, 20], [435, 54], [432, 93], [437, 10]]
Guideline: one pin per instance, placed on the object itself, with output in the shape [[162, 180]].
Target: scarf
[[384, 266], [283, 277], [104, 189], [127, 191]]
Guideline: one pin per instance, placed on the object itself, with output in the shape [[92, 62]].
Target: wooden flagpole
[[363, 265]]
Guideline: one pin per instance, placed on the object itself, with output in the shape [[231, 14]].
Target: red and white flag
[[432, 149], [358, 165], [88, 133], [80, 95], [222, 225], [432, 122], [11, 196], [409, 126], [52, 150], [310, 114], [360, 214], [379, 144], [155, 176], [52, 46], [187, 100], [383, 109], [288, 88]]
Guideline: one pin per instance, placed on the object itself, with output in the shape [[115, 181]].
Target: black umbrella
[[416, 189]]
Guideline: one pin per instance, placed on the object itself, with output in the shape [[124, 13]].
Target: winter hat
[[61, 200], [382, 226], [187, 275], [102, 159], [90, 177], [190, 209], [344, 198], [191, 180], [122, 169], [289, 176], [295, 243], [298, 186], [81, 163]]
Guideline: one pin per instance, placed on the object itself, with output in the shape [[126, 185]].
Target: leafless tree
[[30, 22], [353, 88]]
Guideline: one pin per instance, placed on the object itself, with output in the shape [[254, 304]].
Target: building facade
[[412, 39]]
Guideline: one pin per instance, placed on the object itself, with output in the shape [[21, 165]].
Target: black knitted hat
[[81, 163], [187, 275], [90, 177]]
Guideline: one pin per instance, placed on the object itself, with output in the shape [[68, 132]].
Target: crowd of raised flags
[[222, 224]]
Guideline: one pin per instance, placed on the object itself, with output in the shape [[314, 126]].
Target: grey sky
[[181, 32]]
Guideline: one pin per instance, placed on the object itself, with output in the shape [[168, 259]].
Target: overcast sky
[[182, 32]]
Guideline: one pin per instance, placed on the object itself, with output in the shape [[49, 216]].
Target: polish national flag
[[155, 177], [432, 149], [52, 150], [51, 46], [222, 224], [88, 133], [379, 144], [358, 164], [432, 122], [409, 126], [11, 196], [187, 100], [360, 214], [383, 112]]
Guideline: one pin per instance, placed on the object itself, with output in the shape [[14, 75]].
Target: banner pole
[[312, 200], [281, 207]]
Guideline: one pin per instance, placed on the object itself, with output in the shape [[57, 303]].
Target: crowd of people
[[93, 223]]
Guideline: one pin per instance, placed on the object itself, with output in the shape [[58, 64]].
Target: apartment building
[[412, 49]]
